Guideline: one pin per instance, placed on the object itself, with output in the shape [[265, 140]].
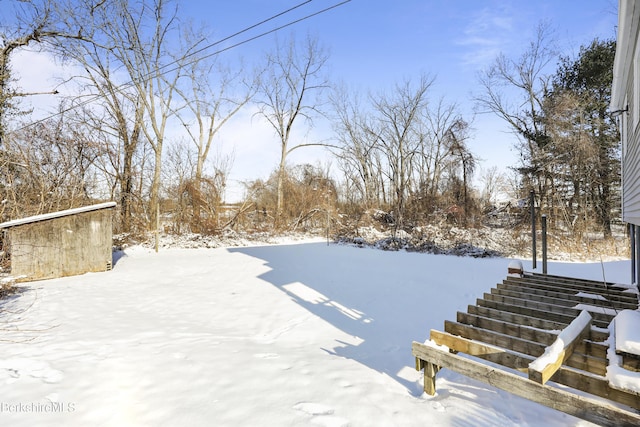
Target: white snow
[[628, 332], [57, 214], [517, 265], [515, 269], [568, 334], [592, 296], [596, 309], [618, 376], [295, 334]]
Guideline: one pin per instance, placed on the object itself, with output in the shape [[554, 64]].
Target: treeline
[[401, 152], [567, 139]]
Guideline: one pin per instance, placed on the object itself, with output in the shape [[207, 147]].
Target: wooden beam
[[531, 348], [571, 285], [526, 311], [485, 351], [595, 365], [516, 318], [531, 334], [577, 379], [543, 368], [537, 288], [599, 319], [521, 302], [584, 407], [596, 335], [512, 329], [630, 362], [562, 302], [568, 300], [572, 280]]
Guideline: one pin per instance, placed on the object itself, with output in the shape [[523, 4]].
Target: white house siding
[[626, 92], [631, 178]]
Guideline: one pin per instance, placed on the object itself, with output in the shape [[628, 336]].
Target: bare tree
[[493, 181], [177, 174], [358, 146], [121, 110], [48, 167], [397, 150], [459, 133], [397, 136], [214, 94], [33, 23], [145, 58], [525, 75], [292, 79], [133, 67], [437, 124]]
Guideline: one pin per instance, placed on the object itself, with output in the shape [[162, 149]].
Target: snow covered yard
[[290, 334]]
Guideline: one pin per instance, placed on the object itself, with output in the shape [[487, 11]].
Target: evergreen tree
[[583, 86]]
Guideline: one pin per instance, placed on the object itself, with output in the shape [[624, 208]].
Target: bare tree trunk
[[213, 100], [293, 76], [525, 74], [126, 181], [399, 138]]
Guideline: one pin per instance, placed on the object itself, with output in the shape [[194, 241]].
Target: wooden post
[[637, 228], [632, 239], [157, 226], [532, 207], [544, 244], [328, 218], [430, 371]]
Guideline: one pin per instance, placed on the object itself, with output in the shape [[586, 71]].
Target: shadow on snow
[[386, 299]]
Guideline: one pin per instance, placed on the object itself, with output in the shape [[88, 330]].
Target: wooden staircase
[[511, 326]]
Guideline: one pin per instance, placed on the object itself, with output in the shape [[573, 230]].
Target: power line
[[149, 75], [266, 33], [144, 78], [248, 29]]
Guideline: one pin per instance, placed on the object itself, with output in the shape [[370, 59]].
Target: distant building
[[58, 244], [625, 104]]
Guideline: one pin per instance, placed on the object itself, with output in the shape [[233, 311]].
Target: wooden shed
[[58, 244]]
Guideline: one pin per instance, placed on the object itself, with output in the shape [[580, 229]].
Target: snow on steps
[[514, 325], [624, 351], [543, 368]]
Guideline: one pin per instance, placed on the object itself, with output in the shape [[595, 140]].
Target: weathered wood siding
[[64, 246]]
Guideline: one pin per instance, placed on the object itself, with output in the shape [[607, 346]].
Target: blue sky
[[374, 43]]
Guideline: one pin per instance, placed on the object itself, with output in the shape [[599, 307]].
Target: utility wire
[[266, 33], [148, 76], [244, 31]]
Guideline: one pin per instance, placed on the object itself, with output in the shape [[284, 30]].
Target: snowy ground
[[302, 333]]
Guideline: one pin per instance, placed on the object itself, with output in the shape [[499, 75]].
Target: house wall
[[625, 103], [63, 246], [631, 141], [626, 93]]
